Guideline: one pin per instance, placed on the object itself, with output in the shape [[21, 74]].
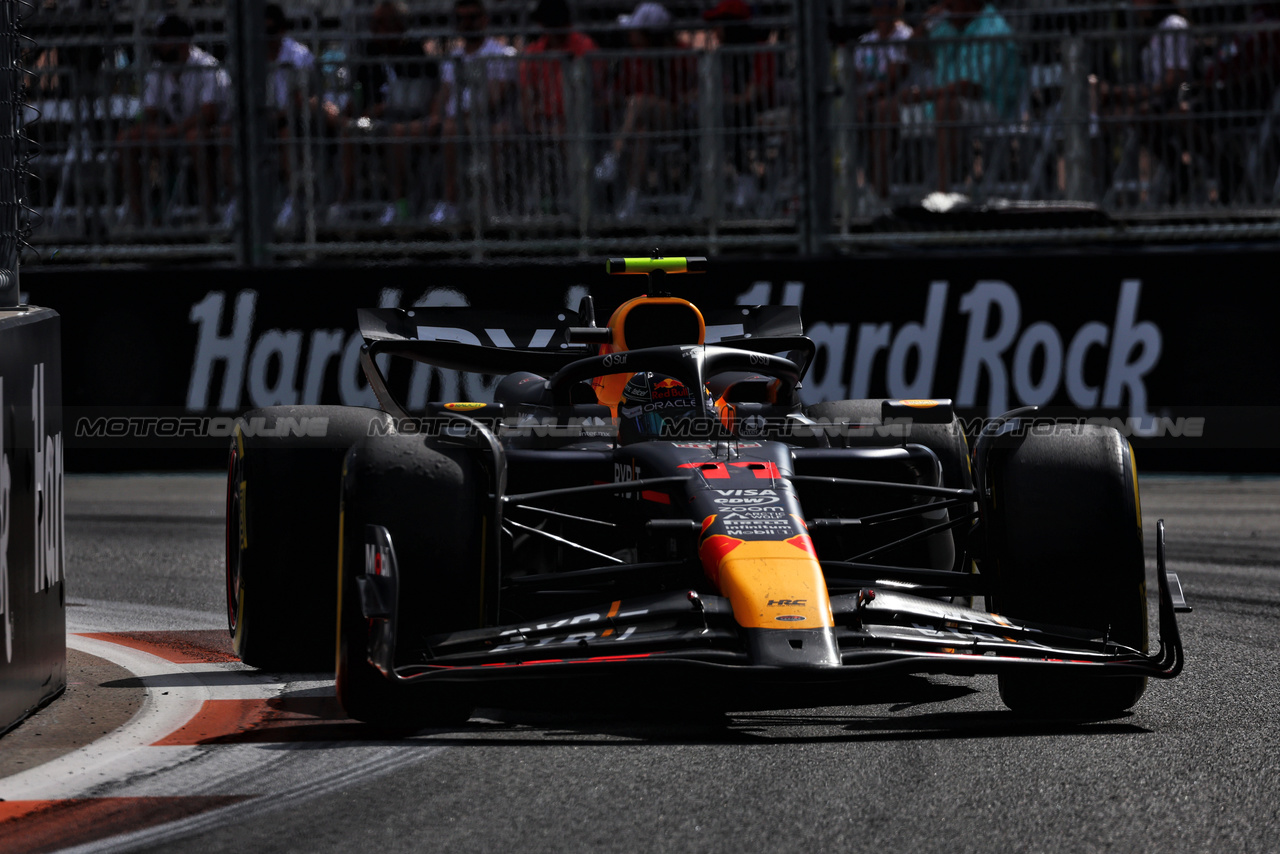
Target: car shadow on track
[[827, 725], [950, 725], [869, 719]]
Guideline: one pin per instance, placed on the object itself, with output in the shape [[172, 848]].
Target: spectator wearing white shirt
[[660, 97], [395, 78], [290, 62], [451, 113], [1166, 60], [881, 58], [881, 63], [291, 65], [184, 100], [1154, 102], [1166, 64]]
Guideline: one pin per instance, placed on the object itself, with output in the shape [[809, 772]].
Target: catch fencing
[[15, 218], [793, 134]]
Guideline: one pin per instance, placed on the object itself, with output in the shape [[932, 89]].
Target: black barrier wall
[[32, 583], [1173, 347]]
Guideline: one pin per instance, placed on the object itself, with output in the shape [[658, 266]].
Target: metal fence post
[[1075, 119], [303, 146], [846, 137], [816, 87], [477, 143], [711, 137], [578, 130], [247, 65]]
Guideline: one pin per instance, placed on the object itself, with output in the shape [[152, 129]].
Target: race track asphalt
[[1193, 768]]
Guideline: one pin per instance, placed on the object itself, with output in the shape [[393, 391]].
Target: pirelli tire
[[284, 478], [1064, 547], [947, 441], [433, 501]]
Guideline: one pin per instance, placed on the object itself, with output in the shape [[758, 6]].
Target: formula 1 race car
[[645, 514]]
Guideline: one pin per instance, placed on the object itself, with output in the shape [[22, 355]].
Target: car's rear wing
[[500, 342]]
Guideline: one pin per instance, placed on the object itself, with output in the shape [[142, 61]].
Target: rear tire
[[1065, 548], [282, 492], [431, 501]]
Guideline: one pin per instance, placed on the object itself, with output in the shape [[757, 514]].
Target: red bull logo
[[669, 388]]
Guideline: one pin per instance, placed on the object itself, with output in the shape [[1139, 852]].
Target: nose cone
[[793, 647]]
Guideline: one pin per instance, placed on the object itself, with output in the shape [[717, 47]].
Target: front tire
[[432, 501], [1065, 548], [283, 485]]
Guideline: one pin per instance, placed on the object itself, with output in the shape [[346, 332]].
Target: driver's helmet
[[655, 406]]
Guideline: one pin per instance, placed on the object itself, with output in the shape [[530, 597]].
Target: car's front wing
[[686, 645]]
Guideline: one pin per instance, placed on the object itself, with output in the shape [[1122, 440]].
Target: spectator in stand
[[541, 75], [290, 64], [658, 92], [184, 100], [452, 116], [1155, 104], [542, 90], [391, 96], [1239, 89], [288, 86], [881, 63], [750, 91], [1166, 63], [977, 79]]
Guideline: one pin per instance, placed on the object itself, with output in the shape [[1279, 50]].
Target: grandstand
[[1117, 126]]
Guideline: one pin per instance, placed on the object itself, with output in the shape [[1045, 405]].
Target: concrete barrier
[[33, 625]]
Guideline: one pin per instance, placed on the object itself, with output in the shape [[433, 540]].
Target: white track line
[[385, 760], [126, 762], [127, 751]]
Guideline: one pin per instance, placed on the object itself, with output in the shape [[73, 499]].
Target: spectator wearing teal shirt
[[977, 77], [979, 54]]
